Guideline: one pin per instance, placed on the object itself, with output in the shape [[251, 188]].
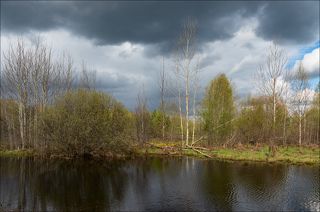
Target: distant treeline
[[46, 106]]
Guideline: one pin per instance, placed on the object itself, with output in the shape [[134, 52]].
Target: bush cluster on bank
[[85, 122]]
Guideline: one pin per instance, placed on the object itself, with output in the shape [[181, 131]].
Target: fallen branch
[[197, 140], [201, 153], [197, 147], [168, 148], [198, 151]]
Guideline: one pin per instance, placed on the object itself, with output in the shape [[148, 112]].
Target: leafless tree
[[194, 105], [185, 54], [162, 86], [32, 79], [285, 99], [65, 72], [300, 95], [87, 77], [269, 76], [16, 74], [142, 118], [178, 87]]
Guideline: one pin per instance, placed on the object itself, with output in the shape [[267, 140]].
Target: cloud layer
[[160, 22], [125, 41]]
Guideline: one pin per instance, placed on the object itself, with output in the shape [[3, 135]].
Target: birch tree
[[32, 78], [142, 118], [178, 85], [16, 73], [269, 76], [285, 100], [185, 57], [300, 95], [162, 86], [194, 105]]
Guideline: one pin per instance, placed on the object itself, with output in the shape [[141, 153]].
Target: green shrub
[[84, 122]]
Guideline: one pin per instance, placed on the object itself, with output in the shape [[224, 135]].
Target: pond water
[[153, 184]]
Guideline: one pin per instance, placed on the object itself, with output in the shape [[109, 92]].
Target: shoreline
[[295, 155], [305, 155]]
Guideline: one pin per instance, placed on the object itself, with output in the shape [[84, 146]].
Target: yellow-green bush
[[84, 122]]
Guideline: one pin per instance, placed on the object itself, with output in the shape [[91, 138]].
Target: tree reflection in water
[[154, 184], [61, 185]]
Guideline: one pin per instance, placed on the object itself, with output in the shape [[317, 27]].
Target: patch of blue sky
[[302, 52], [314, 82]]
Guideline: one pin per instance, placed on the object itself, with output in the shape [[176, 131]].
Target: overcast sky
[[125, 41]]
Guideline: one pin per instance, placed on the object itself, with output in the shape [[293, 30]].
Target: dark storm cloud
[[160, 22], [290, 22], [116, 22]]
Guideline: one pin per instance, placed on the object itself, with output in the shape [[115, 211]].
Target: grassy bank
[[106, 155], [289, 154]]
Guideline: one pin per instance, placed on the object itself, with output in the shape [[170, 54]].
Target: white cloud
[[310, 62], [120, 69], [239, 58], [290, 97], [124, 68]]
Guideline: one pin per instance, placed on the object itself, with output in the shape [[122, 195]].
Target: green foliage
[[218, 109], [82, 122], [313, 120], [252, 121], [157, 118]]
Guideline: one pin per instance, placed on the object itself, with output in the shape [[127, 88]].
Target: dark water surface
[[153, 184]]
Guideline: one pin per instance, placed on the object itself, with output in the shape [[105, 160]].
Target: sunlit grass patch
[[290, 154], [16, 153], [160, 143]]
